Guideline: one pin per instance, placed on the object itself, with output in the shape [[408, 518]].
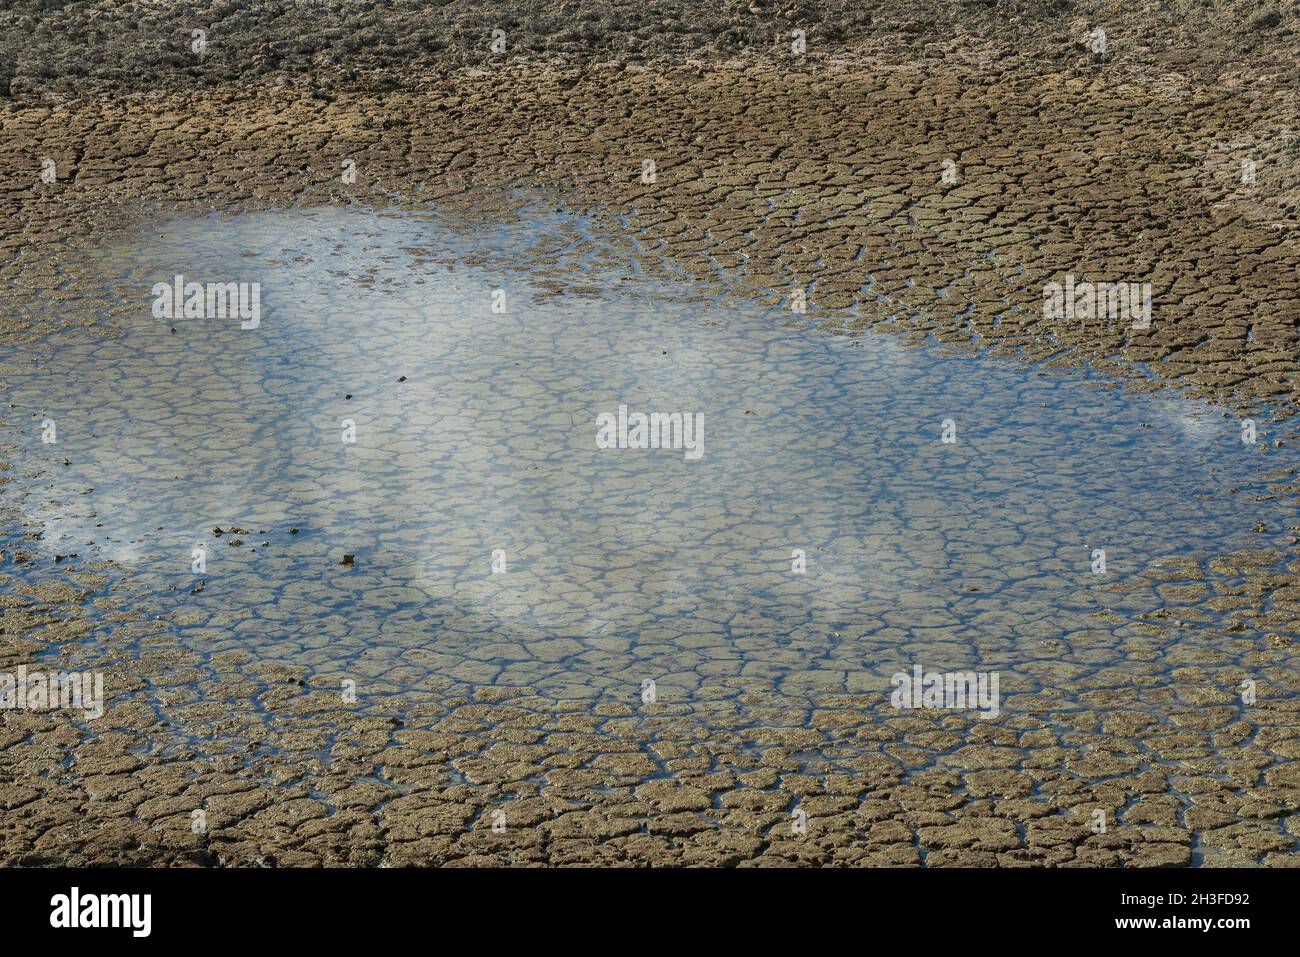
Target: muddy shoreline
[[769, 178], [769, 181]]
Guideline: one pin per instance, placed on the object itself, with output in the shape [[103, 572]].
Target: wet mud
[[523, 736]]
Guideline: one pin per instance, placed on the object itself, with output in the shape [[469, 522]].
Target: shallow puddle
[[493, 542]]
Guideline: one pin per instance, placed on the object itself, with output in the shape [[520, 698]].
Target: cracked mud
[[522, 695]]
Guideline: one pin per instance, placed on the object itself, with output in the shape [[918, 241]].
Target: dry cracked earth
[[774, 172]]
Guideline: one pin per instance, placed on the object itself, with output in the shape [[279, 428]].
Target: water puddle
[[492, 542]]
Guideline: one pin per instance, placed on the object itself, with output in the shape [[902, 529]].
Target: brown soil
[[772, 174]]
